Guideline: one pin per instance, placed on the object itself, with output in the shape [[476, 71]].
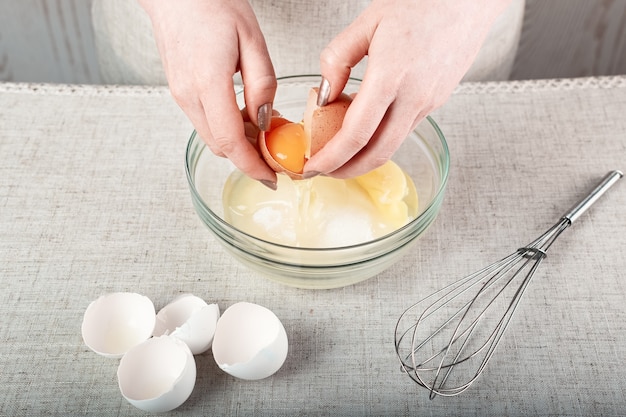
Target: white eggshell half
[[190, 319], [250, 342], [157, 375], [114, 323]]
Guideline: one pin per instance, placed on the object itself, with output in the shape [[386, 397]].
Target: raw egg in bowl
[[316, 233]]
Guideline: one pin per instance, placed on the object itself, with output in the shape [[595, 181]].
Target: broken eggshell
[[320, 124], [250, 342], [157, 375], [190, 319], [115, 322]]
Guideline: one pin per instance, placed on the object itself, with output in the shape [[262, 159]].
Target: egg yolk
[[391, 191], [278, 121], [286, 143]]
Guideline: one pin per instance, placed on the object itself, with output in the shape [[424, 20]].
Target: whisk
[[459, 327]]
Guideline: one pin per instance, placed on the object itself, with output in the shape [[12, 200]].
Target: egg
[[157, 375], [287, 145], [250, 342], [190, 319], [285, 148], [114, 323]]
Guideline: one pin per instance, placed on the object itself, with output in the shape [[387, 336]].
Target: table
[[94, 199]]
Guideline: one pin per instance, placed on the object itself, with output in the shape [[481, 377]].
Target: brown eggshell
[[322, 123]]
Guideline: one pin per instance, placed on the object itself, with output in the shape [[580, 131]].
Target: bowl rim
[[444, 171]]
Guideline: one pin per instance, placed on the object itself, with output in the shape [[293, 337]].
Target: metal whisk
[[458, 327]]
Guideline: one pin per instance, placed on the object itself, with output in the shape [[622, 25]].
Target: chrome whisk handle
[[607, 182]]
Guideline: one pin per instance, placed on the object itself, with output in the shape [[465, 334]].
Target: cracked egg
[[288, 145]]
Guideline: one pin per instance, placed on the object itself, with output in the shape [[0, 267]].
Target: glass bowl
[[424, 156]]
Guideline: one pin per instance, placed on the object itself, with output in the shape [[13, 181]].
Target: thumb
[[346, 50], [259, 81]]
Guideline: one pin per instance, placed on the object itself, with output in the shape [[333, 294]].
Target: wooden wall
[[572, 38], [52, 40], [47, 41]]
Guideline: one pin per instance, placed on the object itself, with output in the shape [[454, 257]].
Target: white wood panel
[[47, 40], [52, 40], [572, 38]]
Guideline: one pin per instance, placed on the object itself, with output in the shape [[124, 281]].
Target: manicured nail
[[264, 116], [310, 174], [269, 184], [322, 96]]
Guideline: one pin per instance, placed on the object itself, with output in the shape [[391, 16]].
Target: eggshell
[[322, 123], [190, 319], [250, 342], [157, 375], [114, 323]]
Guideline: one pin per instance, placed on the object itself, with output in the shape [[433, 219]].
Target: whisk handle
[[607, 182]]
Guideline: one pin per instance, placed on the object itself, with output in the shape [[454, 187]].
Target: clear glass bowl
[[423, 155]]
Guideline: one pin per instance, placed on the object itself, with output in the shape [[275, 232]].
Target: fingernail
[[269, 184], [310, 174], [322, 96], [264, 116]]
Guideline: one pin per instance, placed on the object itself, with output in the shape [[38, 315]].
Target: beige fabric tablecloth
[[93, 199]]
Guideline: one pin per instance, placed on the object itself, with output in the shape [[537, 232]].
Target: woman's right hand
[[202, 45]]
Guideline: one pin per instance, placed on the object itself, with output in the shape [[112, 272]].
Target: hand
[[202, 45], [418, 51]]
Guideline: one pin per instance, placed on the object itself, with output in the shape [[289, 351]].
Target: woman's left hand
[[418, 52]]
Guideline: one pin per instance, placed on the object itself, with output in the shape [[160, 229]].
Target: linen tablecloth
[[94, 199]]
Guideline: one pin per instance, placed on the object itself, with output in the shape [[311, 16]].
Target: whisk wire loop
[[446, 330], [491, 281]]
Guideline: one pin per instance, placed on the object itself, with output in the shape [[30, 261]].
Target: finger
[[390, 135], [359, 125], [345, 51], [196, 114], [259, 78], [251, 130], [228, 132], [246, 117]]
